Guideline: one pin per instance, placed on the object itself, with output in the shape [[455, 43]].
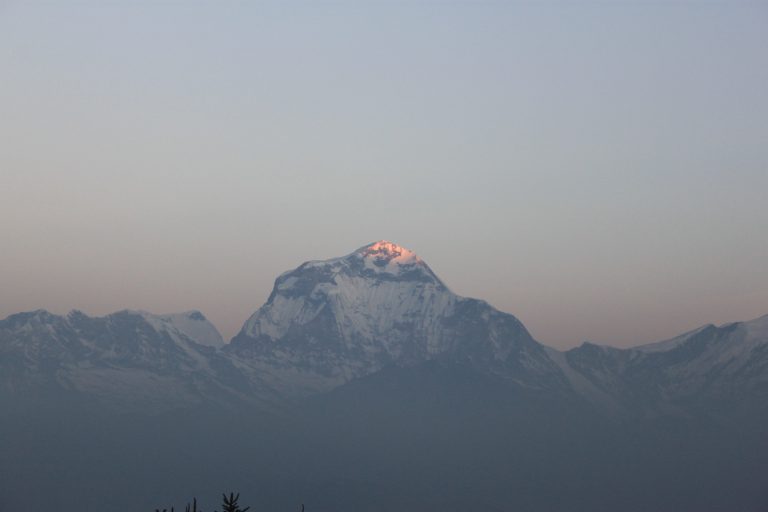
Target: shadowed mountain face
[[127, 361], [714, 371], [328, 322], [364, 383]]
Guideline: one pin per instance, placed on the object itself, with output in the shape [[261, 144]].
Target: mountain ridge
[[329, 322], [368, 385]]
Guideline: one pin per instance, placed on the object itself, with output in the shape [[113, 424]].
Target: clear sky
[[600, 170]]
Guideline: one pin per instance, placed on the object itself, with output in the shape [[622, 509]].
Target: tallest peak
[[388, 247], [382, 260], [387, 252]]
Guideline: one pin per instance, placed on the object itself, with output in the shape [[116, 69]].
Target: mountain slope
[[192, 324], [711, 370], [328, 322], [127, 360]]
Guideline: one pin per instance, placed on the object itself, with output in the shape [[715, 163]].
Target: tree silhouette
[[230, 504], [194, 506]]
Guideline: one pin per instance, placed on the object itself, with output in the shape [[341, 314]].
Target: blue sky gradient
[[598, 169]]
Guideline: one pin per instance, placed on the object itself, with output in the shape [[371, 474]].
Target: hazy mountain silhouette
[[364, 383]]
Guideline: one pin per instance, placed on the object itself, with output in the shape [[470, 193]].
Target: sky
[[598, 169]]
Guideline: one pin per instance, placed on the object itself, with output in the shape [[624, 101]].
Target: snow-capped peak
[[368, 291], [191, 324], [382, 260], [194, 325], [387, 256], [337, 319]]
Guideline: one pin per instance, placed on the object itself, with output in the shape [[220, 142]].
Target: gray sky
[[599, 170]]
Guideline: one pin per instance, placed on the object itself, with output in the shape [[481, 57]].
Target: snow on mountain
[[734, 354], [728, 347], [756, 330], [369, 292], [711, 364], [665, 345], [126, 359], [191, 323], [327, 322]]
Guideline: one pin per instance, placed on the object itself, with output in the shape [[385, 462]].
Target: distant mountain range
[[329, 322], [376, 338]]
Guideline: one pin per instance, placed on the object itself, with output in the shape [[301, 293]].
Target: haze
[[600, 171]]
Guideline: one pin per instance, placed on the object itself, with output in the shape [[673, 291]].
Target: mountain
[[129, 360], [328, 322], [364, 383], [708, 370], [192, 324]]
